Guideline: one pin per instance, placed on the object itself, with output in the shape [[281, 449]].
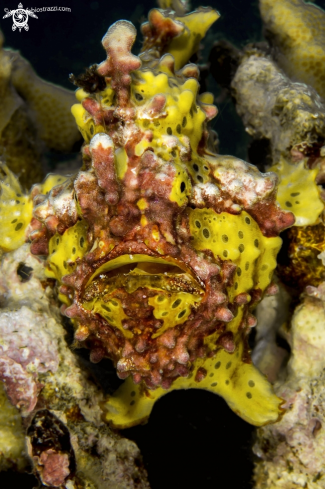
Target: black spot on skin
[[24, 272], [249, 395], [132, 403], [214, 384], [200, 179], [184, 122], [182, 186], [169, 131], [13, 222], [240, 234], [228, 365], [195, 167], [178, 128], [251, 383], [132, 393], [82, 240], [224, 238], [73, 251], [217, 365], [206, 233], [182, 313], [138, 97], [256, 243], [176, 303], [91, 129], [19, 226], [198, 224], [241, 248], [247, 220], [288, 204]]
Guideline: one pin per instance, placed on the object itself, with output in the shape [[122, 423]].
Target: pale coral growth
[[291, 452], [49, 374], [296, 30]]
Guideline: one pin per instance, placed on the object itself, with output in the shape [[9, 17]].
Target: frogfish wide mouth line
[[133, 271]]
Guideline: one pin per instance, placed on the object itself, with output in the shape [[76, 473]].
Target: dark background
[[193, 440]]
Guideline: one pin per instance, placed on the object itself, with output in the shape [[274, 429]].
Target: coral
[[275, 108], [34, 115], [161, 248], [291, 452], [57, 406], [12, 437], [296, 31], [300, 265]]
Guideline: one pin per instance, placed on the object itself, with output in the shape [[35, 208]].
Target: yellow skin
[[235, 238], [297, 30], [298, 191]]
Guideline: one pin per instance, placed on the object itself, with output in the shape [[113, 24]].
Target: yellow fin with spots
[[298, 191], [246, 391], [243, 387], [15, 211]]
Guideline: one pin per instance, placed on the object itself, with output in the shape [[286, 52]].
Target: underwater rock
[[13, 453], [275, 108], [291, 452], [54, 398]]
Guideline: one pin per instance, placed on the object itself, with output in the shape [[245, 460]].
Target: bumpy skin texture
[[160, 247], [296, 30]]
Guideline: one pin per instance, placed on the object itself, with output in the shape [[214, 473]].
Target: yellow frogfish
[[161, 249]]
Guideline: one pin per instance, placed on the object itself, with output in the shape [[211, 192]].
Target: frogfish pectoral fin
[[131, 404], [245, 389]]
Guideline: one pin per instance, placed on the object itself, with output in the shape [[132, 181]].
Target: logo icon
[[19, 17]]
